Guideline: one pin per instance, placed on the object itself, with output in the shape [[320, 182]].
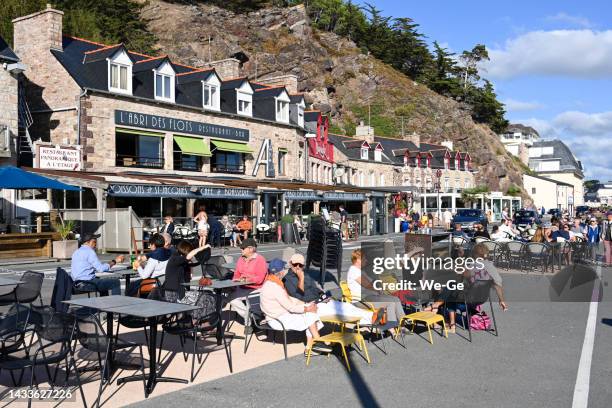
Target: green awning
[[234, 147], [283, 150], [139, 132], [192, 145]]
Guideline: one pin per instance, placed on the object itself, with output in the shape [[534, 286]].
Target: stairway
[[25, 147]]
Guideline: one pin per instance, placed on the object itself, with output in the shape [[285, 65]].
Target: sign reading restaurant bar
[[302, 195], [163, 123], [335, 196], [144, 190]]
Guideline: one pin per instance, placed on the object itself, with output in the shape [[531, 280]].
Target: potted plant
[[287, 229], [65, 248]]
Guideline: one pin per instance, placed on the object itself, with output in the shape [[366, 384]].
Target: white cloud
[[570, 53], [564, 18], [512, 105], [589, 136]]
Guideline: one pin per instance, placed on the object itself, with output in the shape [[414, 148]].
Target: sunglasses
[[299, 265]]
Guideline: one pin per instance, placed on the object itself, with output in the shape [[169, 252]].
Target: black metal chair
[[53, 332], [26, 292], [476, 293], [537, 254], [184, 326], [92, 337], [260, 321], [515, 254], [213, 268], [13, 329], [149, 290], [495, 251]]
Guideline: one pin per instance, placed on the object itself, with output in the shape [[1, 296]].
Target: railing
[[187, 165], [123, 160], [227, 168], [25, 116]]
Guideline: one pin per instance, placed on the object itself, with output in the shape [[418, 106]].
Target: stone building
[[10, 70]]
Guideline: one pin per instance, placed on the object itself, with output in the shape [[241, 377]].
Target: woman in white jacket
[[152, 266]]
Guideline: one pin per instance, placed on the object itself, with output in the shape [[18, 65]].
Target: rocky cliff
[[335, 75]]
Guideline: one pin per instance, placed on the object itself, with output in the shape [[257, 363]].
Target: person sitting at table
[[539, 236], [178, 269], [151, 266], [562, 235], [245, 226], [480, 231], [168, 226], [251, 267], [458, 232], [293, 313], [168, 241], [362, 289], [497, 235], [85, 263], [506, 227], [302, 286]]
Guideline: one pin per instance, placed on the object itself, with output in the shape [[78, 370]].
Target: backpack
[[206, 302], [480, 320]]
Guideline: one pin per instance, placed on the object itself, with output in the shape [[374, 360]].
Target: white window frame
[[377, 155], [282, 110], [457, 164], [244, 93], [120, 60], [282, 165], [364, 153], [300, 114], [216, 99], [170, 78], [466, 164]]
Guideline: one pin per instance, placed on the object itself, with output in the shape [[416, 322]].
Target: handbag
[[480, 320]]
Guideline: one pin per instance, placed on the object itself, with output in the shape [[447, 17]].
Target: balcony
[[139, 162], [189, 164], [227, 168]]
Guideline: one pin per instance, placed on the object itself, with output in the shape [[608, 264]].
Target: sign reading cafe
[[144, 190], [164, 123]]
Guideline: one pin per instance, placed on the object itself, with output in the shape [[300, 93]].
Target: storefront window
[[227, 162], [73, 200], [32, 194], [186, 162], [134, 150], [88, 199]]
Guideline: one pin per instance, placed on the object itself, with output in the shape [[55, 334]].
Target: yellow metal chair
[[428, 318], [344, 339]]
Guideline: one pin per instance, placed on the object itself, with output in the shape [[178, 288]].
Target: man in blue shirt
[[85, 264]]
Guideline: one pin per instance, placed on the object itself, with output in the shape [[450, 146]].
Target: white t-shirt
[[354, 273]]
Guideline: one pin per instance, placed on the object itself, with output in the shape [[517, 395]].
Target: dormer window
[[164, 82], [163, 87], [429, 162], [120, 73], [417, 161], [244, 99], [364, 153], [211, 96], [377, 155], [300, 113], [406, 157], [446, 163], [282, 111], [457, 163], [467, 164]]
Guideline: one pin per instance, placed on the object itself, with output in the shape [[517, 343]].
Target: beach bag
[[480, 320], [205, 301]]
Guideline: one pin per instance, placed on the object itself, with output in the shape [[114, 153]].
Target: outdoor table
[[105, 303], [9, 282], [120, 272], [341, 320], [218, 286], [152, 310]]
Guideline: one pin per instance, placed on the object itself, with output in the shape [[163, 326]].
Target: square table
[[10, 282], [120, 272], [152, 310], [218, 286]]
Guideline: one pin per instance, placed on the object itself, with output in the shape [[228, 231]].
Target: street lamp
[[438, 186]]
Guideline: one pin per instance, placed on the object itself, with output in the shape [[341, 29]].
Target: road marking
[[583, 378]]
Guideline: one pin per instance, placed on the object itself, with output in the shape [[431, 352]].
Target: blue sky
[[551, 63]]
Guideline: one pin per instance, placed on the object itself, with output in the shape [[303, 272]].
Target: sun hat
[[297, 258], [276, 265]]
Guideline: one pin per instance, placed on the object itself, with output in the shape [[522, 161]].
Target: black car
[[526, 217], [581, 210], [555, 212], [468, 217]]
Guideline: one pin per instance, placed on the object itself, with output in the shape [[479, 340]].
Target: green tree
[[442, 75], [470, 60], [486, 108], [10, 9]]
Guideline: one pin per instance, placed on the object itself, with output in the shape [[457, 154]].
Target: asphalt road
[[534, 362]]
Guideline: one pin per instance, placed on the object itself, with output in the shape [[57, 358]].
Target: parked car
[[468, 217], [526, 217], [555, 212]]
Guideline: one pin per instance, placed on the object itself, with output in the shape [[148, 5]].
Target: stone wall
[[8, 116], [98, 135]]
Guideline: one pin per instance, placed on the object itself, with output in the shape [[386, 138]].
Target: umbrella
[[14, 178]]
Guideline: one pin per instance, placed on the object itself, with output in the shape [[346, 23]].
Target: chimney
[[226, 68], [289, 81], [448, 144], [414, 138], [365, 132], [40, 31]]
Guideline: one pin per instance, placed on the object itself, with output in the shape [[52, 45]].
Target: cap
[[276, 265], [249, 242], [88, 237], [297, 258]]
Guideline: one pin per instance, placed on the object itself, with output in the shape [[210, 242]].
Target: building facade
[[9, 98], [549, 193], [553, 159], [517, 139]]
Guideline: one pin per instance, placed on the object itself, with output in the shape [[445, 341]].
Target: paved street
[[537, 360]]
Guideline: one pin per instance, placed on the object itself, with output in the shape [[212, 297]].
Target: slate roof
[[561, 152], [6, 53], [86, 62], [351, 148]]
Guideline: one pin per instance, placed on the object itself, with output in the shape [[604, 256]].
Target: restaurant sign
[[302, 195], [335, 196], [163, 123], [223, 192], [58, 158], [144, 190]]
